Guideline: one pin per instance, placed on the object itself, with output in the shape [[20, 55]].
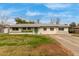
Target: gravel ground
[[69, 42]]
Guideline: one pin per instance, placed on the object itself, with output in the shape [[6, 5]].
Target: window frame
[[61, 28], [24, 28], [29, 28], [15, 29], [45, 29], [51, 29]]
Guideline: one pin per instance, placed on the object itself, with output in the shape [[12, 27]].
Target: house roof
[[37, 25], [77, 27], [4, 25]]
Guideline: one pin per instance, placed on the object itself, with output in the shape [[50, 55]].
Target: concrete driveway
[[69, 42]]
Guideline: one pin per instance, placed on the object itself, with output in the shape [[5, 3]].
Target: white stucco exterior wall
[[40, 31], [66, 29], [63, 32], [11, 31], [55, 31], [5, 30], [48, 31], [19, 31]]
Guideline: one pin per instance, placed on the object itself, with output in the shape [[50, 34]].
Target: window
[[15, 29], [29, 28], [45, 29], [24, 28], [61, 29], [51, 29]]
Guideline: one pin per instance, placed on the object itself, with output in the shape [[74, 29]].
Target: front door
[[36, 30]]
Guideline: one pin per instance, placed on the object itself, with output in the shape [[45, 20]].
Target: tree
[[21, 21], [3, 19], [51, 21], [77, 24], [38, 21], [73, 24], [18, 20], [57, 21], [71, 29]]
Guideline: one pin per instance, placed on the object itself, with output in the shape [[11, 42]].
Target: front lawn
[[29, 40], [29, 45]]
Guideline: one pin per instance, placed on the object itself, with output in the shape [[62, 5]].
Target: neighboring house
[[76, 29], [36, 29]]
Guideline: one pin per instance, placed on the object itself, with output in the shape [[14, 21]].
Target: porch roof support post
[[20, 29], [33, 30]]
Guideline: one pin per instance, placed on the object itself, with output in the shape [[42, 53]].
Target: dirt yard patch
[[52, 50], [42, 50]]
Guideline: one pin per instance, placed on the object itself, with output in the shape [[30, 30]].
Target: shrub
[[27, 30]]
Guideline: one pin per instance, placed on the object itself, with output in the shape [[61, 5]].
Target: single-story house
[[35, 29], [76, 29]]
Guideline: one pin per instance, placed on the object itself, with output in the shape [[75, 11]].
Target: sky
[[66, 12]]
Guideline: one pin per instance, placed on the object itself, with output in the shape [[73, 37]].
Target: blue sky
[[66, 12]]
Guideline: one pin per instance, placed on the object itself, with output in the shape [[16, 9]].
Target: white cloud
[[5, 15], [64, 16], [11, 21], [8, 12], [29, 13], [46, 17], [57, 6]]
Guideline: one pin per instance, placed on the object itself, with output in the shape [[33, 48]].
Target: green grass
[[27, 30], [29, 45], [29, 40]]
